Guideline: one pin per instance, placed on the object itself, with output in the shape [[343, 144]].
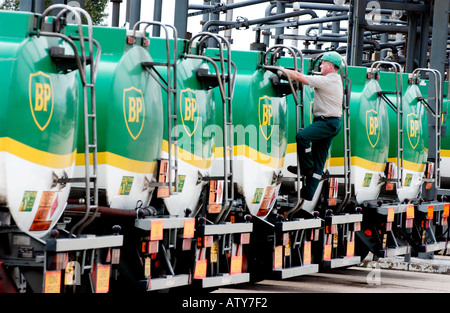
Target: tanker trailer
[[42, 66]]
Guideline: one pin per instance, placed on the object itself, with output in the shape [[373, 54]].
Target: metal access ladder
[[437, 114], [226, 79], [170, 86], [398, 108], [346, 128], [90, 122], [297, 92]]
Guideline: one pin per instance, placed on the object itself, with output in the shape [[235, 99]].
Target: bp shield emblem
[[265, 113], [189, 110], [40, 92], [412, 127], [134, 111], [372, 127]]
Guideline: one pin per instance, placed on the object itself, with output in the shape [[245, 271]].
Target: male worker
[[314, 141]]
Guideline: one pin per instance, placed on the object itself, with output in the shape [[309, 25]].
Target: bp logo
[[372, 127], [265, 113], [40, 92], [134, 111], [189, 110], [412, 125]]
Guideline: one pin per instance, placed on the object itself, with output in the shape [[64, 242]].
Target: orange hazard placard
[[430, 212], [40, 222], [52, 282], [278, 257], [269, 196], [163, 177], [200, 269], [391, 214], [215, 196], [102, 279], [156, 230], [350, 249], [410, 211], [307, 252], [189, 228], [327, 252], [446, 210], [236, 265]]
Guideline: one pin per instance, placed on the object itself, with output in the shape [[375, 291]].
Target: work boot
[[293, 169]]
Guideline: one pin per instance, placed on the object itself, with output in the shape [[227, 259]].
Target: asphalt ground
[[385, 275]]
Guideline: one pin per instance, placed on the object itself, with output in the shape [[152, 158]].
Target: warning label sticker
[[27, 201], [125, 186], [40, 222]]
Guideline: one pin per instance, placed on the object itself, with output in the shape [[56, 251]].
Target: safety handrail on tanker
[[294, 52], [170, 86], [399, 110], [296, 87], [347, 142], [437, 114], [82, 64], [227, 97]]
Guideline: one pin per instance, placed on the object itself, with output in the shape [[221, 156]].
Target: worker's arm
[[297, 76]]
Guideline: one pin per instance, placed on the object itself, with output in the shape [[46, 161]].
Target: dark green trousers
[[313, 145]]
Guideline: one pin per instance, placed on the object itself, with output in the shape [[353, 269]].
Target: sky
[[241, 38]]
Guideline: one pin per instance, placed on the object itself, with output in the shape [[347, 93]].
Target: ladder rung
[[388, 92], [208, 178], [76, 179], [150, 64]]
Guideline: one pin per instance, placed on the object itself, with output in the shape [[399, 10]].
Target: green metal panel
[[368, 122], [128, 104], [36, 97], [259, 114], [195, 106], [415, 138]]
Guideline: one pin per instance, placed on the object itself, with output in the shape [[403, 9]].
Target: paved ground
[[389, 275]]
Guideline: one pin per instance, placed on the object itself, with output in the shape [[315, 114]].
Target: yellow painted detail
[[410, 166], [248, 152], [445, 153], [240, 150], [188, 157], [36, 156], [127, 164]]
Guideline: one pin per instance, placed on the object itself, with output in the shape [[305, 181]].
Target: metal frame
[[398, 108], [275, 52], [90, 133], [170, 86], [226, 80]]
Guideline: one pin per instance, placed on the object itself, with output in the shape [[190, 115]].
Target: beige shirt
[[328, 94]]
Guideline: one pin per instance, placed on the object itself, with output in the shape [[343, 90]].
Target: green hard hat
[[332, 57]]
